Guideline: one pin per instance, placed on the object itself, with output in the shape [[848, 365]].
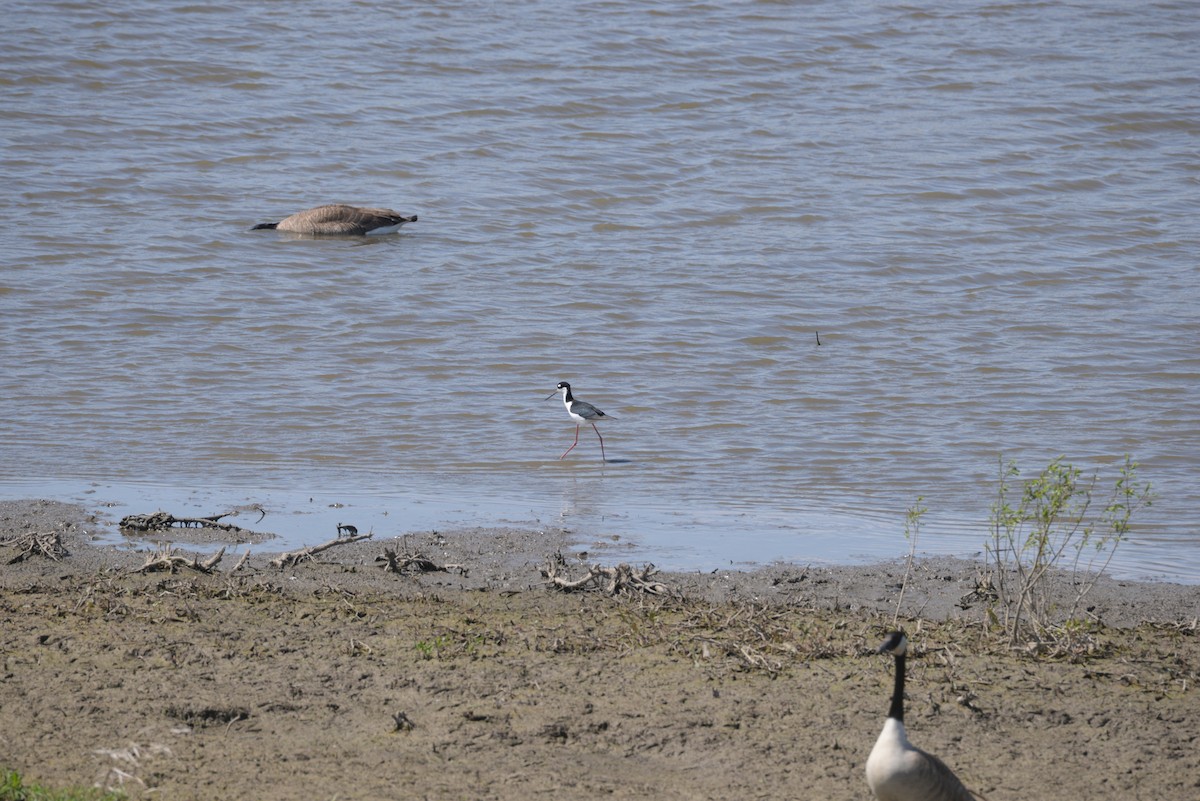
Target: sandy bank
[[333, 678]]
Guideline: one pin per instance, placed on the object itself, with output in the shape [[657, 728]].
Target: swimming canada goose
[[896, 769], [341, 220]]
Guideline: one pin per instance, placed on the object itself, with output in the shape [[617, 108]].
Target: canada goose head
[[896, 644]]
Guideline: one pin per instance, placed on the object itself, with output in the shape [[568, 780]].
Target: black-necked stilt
[[581, 413], [341, 220]]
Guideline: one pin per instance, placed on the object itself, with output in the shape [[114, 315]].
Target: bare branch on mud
[[408, 562], [161, 521], [241, 562], [208, 564], [172, 562], [37, 543], [751, 656], [985, 591], [622, 578], [293, 558]]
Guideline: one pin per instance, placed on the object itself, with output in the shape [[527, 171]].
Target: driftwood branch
[[414, 563], [296, 557], [37, 543], [985, 590], [161, 521], [611, 580], [173, 562]]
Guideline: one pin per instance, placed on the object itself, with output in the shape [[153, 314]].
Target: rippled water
[[987, 213]]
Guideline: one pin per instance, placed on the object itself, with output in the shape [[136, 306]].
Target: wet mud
[[334, 678]]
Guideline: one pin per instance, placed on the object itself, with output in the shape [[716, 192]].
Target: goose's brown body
[[340, 220]]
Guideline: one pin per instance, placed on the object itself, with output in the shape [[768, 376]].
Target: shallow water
[[986, 214]]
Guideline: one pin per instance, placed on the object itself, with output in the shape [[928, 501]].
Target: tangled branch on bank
[[408, 562], [293, 558], [161, 521], [613, 580], [37, 543], [173, 562]]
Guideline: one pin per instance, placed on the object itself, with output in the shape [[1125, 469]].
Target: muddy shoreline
[[335, 679]]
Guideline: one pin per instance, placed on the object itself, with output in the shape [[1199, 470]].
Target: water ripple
[[986, 214]]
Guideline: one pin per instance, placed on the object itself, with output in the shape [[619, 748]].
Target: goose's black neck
[[897, 709]]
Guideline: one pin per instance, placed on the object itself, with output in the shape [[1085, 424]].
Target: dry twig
[[414, 563], [296, 557], [241, 562], [37, 543], [612, 580], [161, 521], [172, 562]]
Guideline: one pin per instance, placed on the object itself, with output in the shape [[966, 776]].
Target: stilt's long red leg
[[602, 456], [573, 444]]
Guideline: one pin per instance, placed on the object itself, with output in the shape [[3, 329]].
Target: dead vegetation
[[621, 579], [293, 558], [162, 521], [410, 562], [166, 559], [47, 544]]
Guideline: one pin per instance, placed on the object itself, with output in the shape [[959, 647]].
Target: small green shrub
[[429, 649], [12, 788], [912, 529], [1050, 525]]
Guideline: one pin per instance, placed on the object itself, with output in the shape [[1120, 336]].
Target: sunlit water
[[985, 214]]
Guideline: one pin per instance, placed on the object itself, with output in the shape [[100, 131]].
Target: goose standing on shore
[[896, 769], [340, 220]]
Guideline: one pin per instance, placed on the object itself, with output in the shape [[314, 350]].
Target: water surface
[[986, 212]]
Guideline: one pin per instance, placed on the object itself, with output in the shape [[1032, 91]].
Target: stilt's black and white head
[[896, 644], [563, 387]]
